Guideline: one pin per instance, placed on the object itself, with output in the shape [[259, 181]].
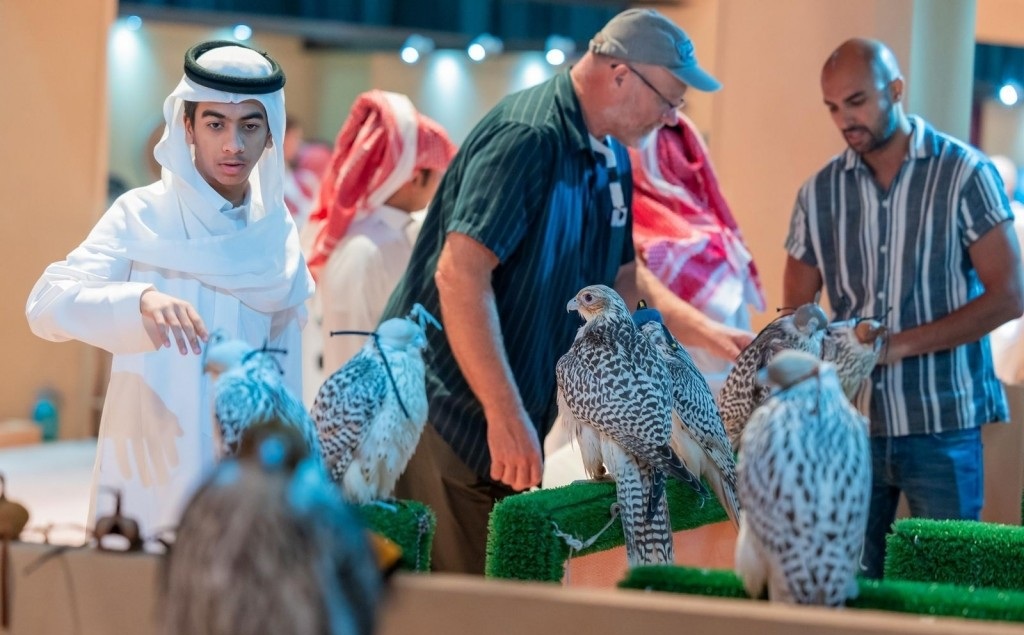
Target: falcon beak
[[572, 305]]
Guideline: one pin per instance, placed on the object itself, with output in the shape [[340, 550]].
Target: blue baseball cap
[[647, 37]]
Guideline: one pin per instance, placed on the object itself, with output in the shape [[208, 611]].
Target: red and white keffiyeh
[[379, 148], [683, 229]]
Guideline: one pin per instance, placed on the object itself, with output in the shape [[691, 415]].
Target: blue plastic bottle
[[46, 414]]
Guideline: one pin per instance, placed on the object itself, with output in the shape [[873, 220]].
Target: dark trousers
[[940, 474], [461, 500]]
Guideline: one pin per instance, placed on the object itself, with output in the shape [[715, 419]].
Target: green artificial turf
[[962, 552], [409, 524], [530, 534], [901, 596]]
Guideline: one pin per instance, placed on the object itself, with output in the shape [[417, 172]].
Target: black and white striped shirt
[[904, 252], [526, 185]]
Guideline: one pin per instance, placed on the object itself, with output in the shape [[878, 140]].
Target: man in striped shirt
[[910, 224], [534, 207]]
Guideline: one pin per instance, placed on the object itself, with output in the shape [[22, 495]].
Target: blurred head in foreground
[[267, 545]]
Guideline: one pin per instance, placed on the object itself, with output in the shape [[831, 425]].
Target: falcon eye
[[587, 297]]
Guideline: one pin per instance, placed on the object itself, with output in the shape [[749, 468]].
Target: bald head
[[863, 56], [862, 87]]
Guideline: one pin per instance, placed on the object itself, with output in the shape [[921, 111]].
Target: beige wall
[[770, 129], [1000, 22], [941, 64], [1002, 130], [53, 123]]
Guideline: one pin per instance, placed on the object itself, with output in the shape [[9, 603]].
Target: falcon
[[370, 413], [615, 393], [804, 486]]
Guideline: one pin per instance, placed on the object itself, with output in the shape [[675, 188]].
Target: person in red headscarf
[[387, 163], [686, 235]]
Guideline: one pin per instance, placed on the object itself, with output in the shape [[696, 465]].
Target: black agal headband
[[231, 83]]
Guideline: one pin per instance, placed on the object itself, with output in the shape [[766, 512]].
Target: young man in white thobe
[[209, 247]]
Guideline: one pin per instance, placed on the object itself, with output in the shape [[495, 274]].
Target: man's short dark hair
[[190, 111]]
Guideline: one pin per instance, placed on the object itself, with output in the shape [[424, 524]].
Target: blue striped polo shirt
[[525, 184], [904, 252]]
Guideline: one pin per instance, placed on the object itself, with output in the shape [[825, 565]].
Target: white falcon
[[615, 393], [804, 485], [370, 413]]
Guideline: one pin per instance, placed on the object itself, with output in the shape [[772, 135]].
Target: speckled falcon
[[370, 413], [614, 392], [698, 434], [804, 486], [802, 330]]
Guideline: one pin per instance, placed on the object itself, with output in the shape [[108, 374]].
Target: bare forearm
[[967, 324], [471, 323], [473, 328], [800, 284], [636, 283], [996, 257]]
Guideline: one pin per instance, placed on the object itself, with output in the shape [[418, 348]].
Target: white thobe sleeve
[[88, 297]]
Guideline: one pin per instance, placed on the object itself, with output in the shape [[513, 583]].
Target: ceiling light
[[557, 49], [242, 32], [1010, 93], [483, 45], [415, 47]]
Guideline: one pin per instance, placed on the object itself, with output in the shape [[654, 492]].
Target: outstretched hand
[[164, 315]]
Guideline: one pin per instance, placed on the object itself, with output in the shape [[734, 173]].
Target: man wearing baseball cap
[[535, 206]]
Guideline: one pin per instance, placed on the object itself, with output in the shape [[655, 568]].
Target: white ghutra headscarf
[[173, 225]]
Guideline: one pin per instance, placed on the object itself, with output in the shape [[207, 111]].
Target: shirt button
[[881, 295], [878, 385], [885, 203], [883, 249]]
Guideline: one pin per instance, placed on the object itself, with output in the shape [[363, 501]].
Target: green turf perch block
[[409, 524], [962, 552], [530, 533], [901, 596]]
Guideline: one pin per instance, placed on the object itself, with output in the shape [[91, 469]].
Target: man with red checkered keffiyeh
[[686, 235], [387, 163]]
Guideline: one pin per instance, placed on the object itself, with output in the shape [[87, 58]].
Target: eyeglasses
[[669, 104]]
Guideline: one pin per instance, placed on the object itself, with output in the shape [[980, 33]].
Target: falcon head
[[651, 324], [810, 318], [645, 314], [401, 334], [788, 368], [222, 353], [596, 301]]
